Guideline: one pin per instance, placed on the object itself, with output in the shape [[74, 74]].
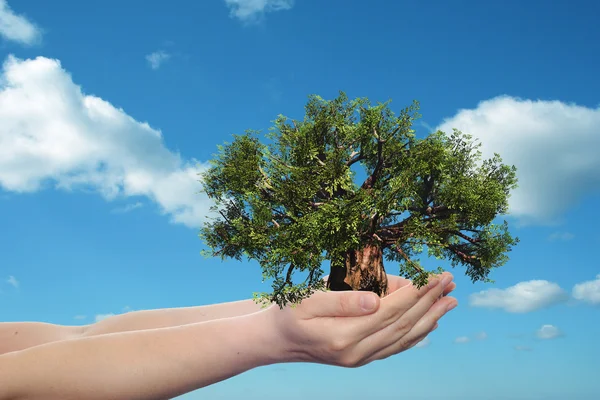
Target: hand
[[338, 328], [396, 282]]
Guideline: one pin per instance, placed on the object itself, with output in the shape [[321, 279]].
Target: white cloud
[[588, 291], [254, 10], [423, 343], [462, 339], [554, 145], [128, 208], [54, 135], [16, 27], [561, 236], [521, 298], [548, 332], [13, 282], [100, 317], [481, 336], [156, 59]]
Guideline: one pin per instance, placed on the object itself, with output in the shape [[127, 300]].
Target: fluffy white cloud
[[548, 332], [100, 317], [253, 10], [481, 336], [554, 145], [54, 135], [462, 339], [588, 291], [521, 298], [13, 282], [423, 343], [16, 27], [156, 59]]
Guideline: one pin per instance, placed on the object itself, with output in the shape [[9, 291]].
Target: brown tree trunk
[[361, 270]]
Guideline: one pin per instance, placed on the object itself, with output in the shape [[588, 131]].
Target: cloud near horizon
[[250, 11], [100, 317], [156, 59], [52, 135], [547, 332], [588, 291], [521, 298], [17, 28], [462, 340], [554, 145], [423, 343]]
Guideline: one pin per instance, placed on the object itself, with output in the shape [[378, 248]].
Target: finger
[[398, 303], [341, 304], [391, 309], [395, 282], [416, 312], [449, 288], [421, 329], [404, 321], [430, 319]]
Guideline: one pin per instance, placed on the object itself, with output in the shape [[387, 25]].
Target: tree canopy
[[294, 201]]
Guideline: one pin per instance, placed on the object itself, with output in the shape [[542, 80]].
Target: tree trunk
[[361, 270]]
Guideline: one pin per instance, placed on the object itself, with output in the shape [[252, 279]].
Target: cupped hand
[[353, 328], [396, 282]]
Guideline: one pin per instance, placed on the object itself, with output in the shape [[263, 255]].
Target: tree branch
[[467, 238], [372, 179], [354, 158], [288, 277], [466, 258], [408, 260]]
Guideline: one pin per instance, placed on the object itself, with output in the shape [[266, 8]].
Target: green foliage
[[294, 203]]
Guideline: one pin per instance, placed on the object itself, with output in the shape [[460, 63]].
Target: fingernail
[[368, 302], [447, 279], [451, 306]]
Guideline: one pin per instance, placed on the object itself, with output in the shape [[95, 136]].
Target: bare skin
[[159, 363], [16, 336]]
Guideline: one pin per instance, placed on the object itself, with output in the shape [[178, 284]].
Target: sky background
[[109, 109]]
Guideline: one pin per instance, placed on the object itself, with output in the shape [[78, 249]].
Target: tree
[[295, 202]]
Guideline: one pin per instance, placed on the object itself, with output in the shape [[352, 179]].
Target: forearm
[[140, 365], [16, 336], [166, 317]]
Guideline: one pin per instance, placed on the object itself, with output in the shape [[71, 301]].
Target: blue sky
[[108, 109]]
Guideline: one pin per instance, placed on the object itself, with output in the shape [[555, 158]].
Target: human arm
[[16, 336], [139, 365], [328, 328]]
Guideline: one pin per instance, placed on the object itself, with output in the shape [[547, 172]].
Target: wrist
[[256, 339], [270, 343], [281, 344]]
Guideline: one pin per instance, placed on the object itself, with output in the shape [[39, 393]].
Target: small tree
[[293, 203]]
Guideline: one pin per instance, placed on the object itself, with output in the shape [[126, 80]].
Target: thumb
[[344, 304]]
